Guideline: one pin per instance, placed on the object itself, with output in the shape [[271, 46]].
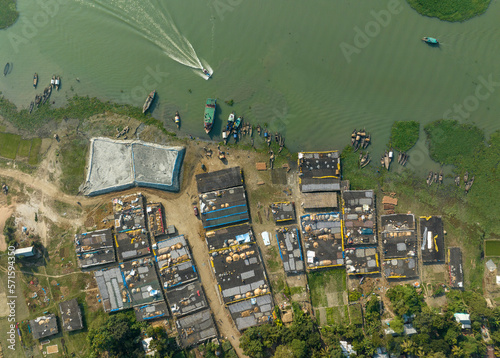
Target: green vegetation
[[356, 314], [10, 143], [405, 300], [321, 281], [453, 143], [450, 10], [8, 13], [354, 295], [404, 135], [9, 231], [492, 248], [24, 148], [77, 107], [35, 148], [73, 153], [301, 339]]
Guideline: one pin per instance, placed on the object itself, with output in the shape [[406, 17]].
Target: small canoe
[[6, 69], [148, 102]]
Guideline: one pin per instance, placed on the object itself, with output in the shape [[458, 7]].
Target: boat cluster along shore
[[41, 99]]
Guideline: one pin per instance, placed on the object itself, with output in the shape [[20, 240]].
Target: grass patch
[[296, 290], [24, 148], [73, 155], [451, 142], [78, 107], [35, 148], [404, 135], [10, 143], [492, 247], [356, 314], [323, 282], [450, 10], [9, 14], [360, 179]]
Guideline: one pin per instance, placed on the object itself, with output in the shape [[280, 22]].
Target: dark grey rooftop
[[399, 237], [129, 284], [432, 248], [239, 272], [456, 268], [362, 260], [223, 207], [174, 262], [186, 299], [359, 217], [94, 248], [404, 268], [229, 236], [195, 328], [397, 222], [319, 171], [129, 212], [283, 211], [44, 326], [221, 179], [156, 219], [132, 244], [252, 312], [290, 249], [149, 312], [322, 240], [71, 315]]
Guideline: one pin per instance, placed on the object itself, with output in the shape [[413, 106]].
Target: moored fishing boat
[[32, 105], [466, 177], [440, 178], [35, 80], [177, 120], [430, 40], [6, 69], [457, 180], [237, 123], [58, 82], [208, 120], [53, 81], [429, 178], [148, 102]]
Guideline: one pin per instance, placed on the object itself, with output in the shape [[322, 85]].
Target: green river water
[[301, 66]]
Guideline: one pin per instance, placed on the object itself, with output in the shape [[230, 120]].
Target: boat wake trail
[[154, 24]]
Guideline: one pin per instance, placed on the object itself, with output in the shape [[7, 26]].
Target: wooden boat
[[387, 160], [363, 159], [430, 40], [6, 69], [469, 185], [466, 177], [58, 82], [367, 141], [32, 105], [400, 157], [237, 123], [35, 80], [457, 180], [382, 162], [430, 178], [148, 101], [251, 131], [53, 81], [258, 129], [435, 180], [208, 119], [368, 160], [440, 178], [353, 137], [177, 120], [405, 159]]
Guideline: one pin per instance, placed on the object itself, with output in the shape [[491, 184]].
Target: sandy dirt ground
[[5, 213]]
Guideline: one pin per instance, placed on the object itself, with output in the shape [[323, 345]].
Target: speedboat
[[430, 40], [208, 74]]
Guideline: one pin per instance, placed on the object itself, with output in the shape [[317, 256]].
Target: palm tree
[[457, 352], [408, 346]]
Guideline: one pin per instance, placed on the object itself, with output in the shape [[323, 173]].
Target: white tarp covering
[[265, 238]]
